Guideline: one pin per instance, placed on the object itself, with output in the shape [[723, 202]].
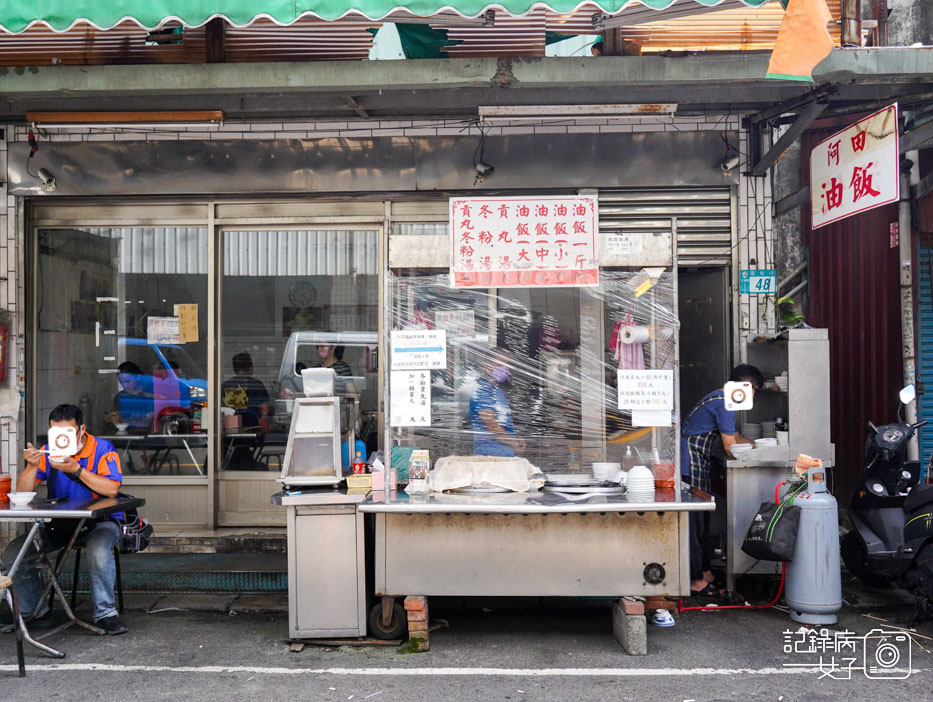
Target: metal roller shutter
[[925, 350], [704, 219]]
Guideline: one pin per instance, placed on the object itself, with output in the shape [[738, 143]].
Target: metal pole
[[907, 302]]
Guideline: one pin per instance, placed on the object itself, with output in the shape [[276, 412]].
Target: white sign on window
[[162, 330], [508, 242], [419, 350], [410, 399], [625, 244], [646, 389], [856, 169], [456, 322]]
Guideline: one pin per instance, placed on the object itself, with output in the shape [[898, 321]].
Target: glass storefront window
[[294, 299], [101, 293]]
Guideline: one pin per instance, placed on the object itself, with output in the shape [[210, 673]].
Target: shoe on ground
[[46, 621], [112, 626]]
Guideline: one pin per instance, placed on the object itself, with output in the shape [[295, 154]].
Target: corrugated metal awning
[[61, 15], [685, 24]]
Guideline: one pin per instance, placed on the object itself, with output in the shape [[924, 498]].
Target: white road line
[[414, 672]]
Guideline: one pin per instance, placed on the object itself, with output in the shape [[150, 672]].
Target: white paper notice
[[162, 330], [651, 418], [410, 399], [419, 350], [625, 244], [456, 322], [646, 389]]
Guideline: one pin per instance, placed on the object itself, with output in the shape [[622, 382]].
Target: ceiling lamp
[[110, 120]]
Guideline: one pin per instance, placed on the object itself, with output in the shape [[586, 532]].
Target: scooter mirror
[[908, 394]]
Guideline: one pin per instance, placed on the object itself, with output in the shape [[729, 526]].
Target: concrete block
[[415, 602], [631, 606], [630, 630]]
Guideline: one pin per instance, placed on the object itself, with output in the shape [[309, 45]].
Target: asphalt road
[[492, 650]]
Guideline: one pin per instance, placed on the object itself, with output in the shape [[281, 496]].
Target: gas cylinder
[[813, 580]]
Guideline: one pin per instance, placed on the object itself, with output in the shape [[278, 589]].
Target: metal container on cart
[[326, 553]]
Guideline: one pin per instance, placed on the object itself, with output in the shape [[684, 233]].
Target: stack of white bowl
[[751, 430], [738, 449], [783, 437], [639, 485], [768, 429], [781, 381], [765, 443]]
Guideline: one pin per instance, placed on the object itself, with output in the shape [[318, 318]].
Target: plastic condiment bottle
[[628, 460], [359, 466]]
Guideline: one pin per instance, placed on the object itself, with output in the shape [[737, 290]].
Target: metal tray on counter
[[478, 490], [603, 489]]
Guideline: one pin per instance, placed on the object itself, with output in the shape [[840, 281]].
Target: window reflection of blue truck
[[168, 392]]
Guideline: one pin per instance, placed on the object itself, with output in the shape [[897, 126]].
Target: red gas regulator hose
[[714, 608]]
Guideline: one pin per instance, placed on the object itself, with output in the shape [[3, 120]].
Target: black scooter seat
[[919, 496]]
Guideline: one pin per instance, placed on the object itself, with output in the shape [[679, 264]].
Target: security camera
[[729, 164], [48, 180], [483, 169]]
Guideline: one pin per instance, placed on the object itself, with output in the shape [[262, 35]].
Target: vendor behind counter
[[490, 413]]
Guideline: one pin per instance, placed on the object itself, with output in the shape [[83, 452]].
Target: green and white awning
[[60, 15]]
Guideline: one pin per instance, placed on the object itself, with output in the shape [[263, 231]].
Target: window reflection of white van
[[355, 348]]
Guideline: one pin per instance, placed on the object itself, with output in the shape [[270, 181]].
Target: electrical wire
[[777, 597]]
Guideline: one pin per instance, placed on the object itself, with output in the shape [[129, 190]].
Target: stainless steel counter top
[[528, 503], [317, 496]]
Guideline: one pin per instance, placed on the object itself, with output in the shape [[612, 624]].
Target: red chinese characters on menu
[[523, 242]]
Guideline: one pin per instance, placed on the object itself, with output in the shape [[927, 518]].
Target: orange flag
[[802, 42]]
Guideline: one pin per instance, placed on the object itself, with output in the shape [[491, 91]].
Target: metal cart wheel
[[397, 625]]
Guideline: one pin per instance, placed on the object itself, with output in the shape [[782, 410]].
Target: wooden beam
[[179, 116], [788, 138]]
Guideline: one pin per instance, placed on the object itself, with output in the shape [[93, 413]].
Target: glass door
[[290, 299]]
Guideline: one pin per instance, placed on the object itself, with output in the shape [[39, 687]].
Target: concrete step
[[194, 573], [224, 540]]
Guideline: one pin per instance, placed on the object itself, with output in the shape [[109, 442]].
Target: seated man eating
[[93, 472]]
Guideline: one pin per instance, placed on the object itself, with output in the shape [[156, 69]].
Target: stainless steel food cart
[[530, 544]]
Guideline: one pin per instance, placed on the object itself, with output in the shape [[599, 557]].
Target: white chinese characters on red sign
[[856, 169], [506, 242]]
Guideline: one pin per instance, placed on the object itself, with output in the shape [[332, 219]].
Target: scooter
[[891, 540]]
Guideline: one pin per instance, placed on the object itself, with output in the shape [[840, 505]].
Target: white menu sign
[[419, 350], [856, 169], [410, 399], [646, 389], [508, 242], [162, 330]]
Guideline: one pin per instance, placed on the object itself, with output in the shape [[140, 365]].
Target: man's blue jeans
[[98, 549]]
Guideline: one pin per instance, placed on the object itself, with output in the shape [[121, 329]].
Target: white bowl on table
[[21, 499]]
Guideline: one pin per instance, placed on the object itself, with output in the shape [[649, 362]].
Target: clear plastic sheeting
[[535, 372]]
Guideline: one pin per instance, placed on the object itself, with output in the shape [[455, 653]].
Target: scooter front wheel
[[855, 557]]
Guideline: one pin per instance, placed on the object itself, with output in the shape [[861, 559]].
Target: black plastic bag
[[772, 535]]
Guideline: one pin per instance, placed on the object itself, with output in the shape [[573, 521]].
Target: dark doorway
[[705, 331]]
